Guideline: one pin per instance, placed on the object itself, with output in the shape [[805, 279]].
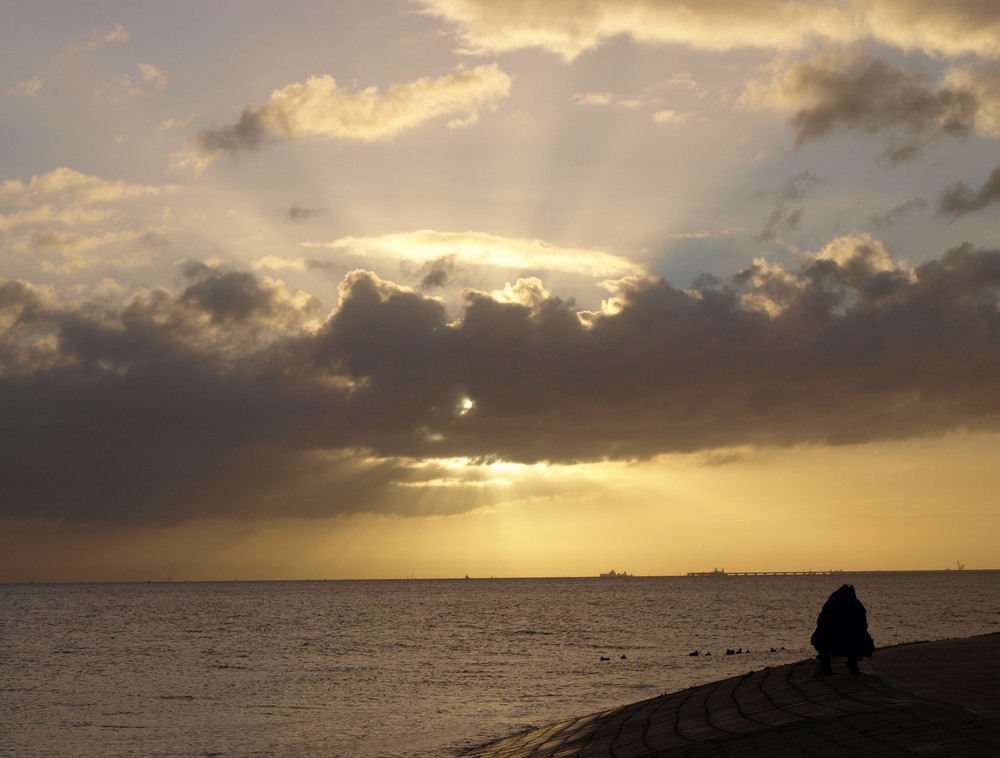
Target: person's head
[[846, 589]]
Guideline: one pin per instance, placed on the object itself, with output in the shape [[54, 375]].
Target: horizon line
[[687, 575]]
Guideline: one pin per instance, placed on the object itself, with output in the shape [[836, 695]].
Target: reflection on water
[[408, 668]]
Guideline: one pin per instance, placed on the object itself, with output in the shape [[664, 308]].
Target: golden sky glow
[[498, 288]]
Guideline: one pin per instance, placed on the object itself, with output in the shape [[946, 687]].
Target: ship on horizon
[[713, 572], [615, 575]]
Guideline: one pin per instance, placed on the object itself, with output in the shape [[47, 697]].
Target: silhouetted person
[[842, 631]]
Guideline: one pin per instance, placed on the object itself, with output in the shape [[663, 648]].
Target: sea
[[416, 668]]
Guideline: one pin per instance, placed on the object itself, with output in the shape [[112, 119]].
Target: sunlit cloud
[[278, 263], [983, 81], [62, 219], [27, 88], [320, 108], [861, 251], [98, 38], [594, 99], [124, 86], [478, 248], [683, 80], [173, 123], [605, 100], [569, 28], [69, 187], [71, 215], [950, 29], [671, 117]]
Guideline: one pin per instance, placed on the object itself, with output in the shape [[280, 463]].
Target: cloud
[[237, 297], [685, 80], [478, 248], [894, 214], [672, 117], [950, 29], [835, 91], [151, 80], [98, 38], [320, 108], [569, 27], [69, 188], [27, 88], [434, 274], [983, 81], [72, 252], [60, 219], [297, 212], [787, 212], [959, 199], [229, 395], [594, 99], [605, 100], [279, 263]]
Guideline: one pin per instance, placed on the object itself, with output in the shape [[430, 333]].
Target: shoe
[[824, 666]]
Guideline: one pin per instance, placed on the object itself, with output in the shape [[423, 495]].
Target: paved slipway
[[925, 698]]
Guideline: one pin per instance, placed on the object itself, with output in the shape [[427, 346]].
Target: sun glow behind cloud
[[477, 248], [678, 516]]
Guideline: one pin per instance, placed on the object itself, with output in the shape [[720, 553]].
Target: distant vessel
[[713, 572], [615, 575]]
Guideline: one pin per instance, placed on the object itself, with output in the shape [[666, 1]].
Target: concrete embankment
[[927, 698]]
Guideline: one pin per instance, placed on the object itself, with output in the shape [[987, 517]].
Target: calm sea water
[[405, 668]]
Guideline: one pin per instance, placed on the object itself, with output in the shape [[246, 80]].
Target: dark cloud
[[894, 214], [875, 97], [249, 133], [434, 274], [297, 212], [225, 397], [960, 199], [787, 212], [227, 295]]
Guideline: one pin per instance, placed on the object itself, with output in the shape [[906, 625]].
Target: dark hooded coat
[[842, 627]]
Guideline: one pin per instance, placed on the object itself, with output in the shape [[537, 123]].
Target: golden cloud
[[67, 185], [571, 27], [319, 107], [478, 248], [983, 80]]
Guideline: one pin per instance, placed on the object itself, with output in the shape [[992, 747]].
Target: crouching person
[[842, 631]]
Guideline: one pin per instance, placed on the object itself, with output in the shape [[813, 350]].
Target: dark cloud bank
[[215, 400]]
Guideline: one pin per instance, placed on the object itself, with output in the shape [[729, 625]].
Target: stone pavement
[[926, 698]]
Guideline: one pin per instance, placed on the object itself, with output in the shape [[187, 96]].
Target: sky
[[438, 288]]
